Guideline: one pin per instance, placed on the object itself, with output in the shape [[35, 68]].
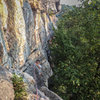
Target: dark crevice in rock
[[1, 53]]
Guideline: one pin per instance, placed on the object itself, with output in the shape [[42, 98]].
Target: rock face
[[25, 29], [6, 90], [6, 87], [50, 94]]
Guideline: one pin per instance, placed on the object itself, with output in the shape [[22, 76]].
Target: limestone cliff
[[25, 29]]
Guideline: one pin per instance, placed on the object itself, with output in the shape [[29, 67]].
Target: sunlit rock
[[25, 29]]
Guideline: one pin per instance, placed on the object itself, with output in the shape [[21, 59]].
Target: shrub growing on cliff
[[19, 88], [76, 53]]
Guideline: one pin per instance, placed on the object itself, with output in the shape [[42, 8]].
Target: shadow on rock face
[[1, 53], [2, 72]]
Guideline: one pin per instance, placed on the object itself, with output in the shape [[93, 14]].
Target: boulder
[[50, 94], [6, 90], [6, 87]]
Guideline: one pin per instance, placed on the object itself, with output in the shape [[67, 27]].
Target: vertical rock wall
[[25, 28], [26, 25]]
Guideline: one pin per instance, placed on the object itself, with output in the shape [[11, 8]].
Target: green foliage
[[76, 53], [19, 88]]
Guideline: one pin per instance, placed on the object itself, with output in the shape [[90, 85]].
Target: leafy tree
[[76, 53]]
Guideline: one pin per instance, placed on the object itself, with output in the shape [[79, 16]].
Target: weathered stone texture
[[6, 90], [50, 94], [25, 29], [6, 87]]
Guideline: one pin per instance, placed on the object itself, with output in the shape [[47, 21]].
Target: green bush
[[19, 88], [76, 53]]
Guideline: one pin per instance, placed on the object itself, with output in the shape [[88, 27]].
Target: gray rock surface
[[25, 29], [50, 94]]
